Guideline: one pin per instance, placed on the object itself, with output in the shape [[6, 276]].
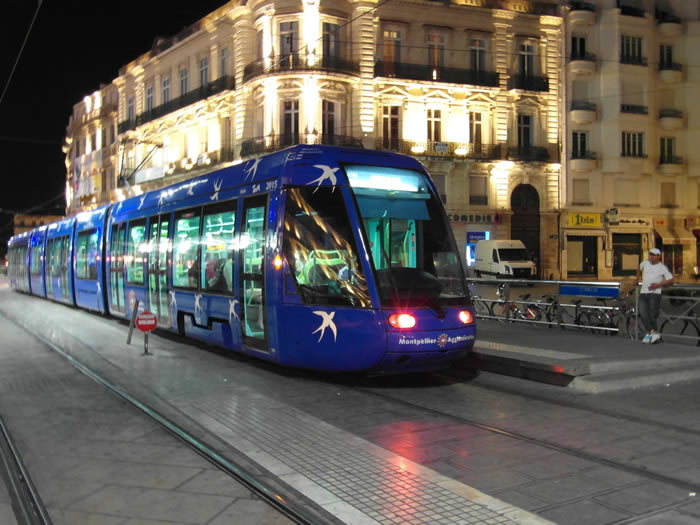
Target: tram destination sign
[[146, 322]]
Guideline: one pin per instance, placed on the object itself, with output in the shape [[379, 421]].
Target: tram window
[[217, 243], [186, 249], [136, 249], [320, 249], [86, 255], [35, 267]]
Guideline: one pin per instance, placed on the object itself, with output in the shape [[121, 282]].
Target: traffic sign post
[[146, 322]]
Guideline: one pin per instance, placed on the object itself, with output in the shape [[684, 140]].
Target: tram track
[[26, 501], [29, 497], [534, 440]]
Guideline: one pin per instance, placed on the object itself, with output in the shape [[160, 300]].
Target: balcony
[[583, 161], [581, 14], [669, 26], [670, 119], [628, 10], [634, 109], [270, 143], [582, 112], [440, 149], [670, 72], [217, 86], [582, 64], [436, 74], [633, 60], [528, 154], [528, 83], [299, 63], [670, 165]]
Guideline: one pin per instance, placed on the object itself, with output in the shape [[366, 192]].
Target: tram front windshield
[[415, 259]]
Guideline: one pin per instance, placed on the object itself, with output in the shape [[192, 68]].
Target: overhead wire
[[19, 54]]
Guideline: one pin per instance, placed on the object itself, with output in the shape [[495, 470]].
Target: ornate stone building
[[471, 87]]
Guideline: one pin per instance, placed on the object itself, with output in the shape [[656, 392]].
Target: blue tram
[[315, 257]]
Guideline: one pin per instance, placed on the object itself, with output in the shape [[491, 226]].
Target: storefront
[[678, 245], [584, 241], [629, 238], [469, 228]]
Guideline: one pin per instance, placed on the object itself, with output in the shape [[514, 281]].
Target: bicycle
[[558, 314], [511, 310], [481, 305], [608, 319], [683, 325]]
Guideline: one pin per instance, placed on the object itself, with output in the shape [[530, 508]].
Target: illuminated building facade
[[471, 87], [632, 173]]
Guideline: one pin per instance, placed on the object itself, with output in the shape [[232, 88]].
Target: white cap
[[655, 251]]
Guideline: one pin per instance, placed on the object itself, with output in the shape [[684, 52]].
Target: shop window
[[627, 253], [673, 258]]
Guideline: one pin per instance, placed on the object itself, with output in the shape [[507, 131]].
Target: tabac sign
[[584, 220]]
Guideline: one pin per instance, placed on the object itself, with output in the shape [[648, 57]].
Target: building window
[[149, 98], [526, 59], [224, 57], [183, 81], [259, 45], [203, 72], [391, 51], [434, 124], [668, 195], [165, 90], [439, 181], [630, 50], [328, 121], [579, 144], [436, 52], [667, 150], [581, 192], [289, 36], [578, 47], [331, 40], [290, 122], [478, 190], [130, 109], [477, 54], [626, 193], [665, 56], [524, 132], [632, 144], [104, 137], [475, 129], [112, 134], [390, 127]]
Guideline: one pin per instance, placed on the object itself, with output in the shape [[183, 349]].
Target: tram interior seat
[[321, 267]]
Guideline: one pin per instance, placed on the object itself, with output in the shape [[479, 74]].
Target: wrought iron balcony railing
[[663, 17], [436, 74], [670, 159], [528, 83], [670, 113], [270, 143], [588, 57], [528, 153], [297, 62], [581, 6], [633, 60], [582, 104], [591, 155], [212, 88], [670, 66], [634, 108], [440, 149], [629, 10]]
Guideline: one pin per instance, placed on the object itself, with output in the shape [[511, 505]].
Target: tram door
[[252, 264], [116, 268], [64, 261], [158, 242]]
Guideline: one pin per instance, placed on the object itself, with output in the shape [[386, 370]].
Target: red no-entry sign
[[146, 322]]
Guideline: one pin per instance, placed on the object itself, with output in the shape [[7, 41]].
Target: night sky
[[73, 46]]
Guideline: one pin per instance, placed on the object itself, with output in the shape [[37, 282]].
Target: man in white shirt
[[654, 275]]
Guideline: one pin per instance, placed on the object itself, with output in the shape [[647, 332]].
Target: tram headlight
[[402, 320], [465, 316]]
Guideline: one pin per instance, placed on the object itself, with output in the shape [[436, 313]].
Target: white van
[[501, 259]]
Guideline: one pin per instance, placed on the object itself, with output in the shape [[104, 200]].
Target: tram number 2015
[[271, 185]]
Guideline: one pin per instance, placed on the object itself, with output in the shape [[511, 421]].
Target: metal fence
[[594, 307]]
